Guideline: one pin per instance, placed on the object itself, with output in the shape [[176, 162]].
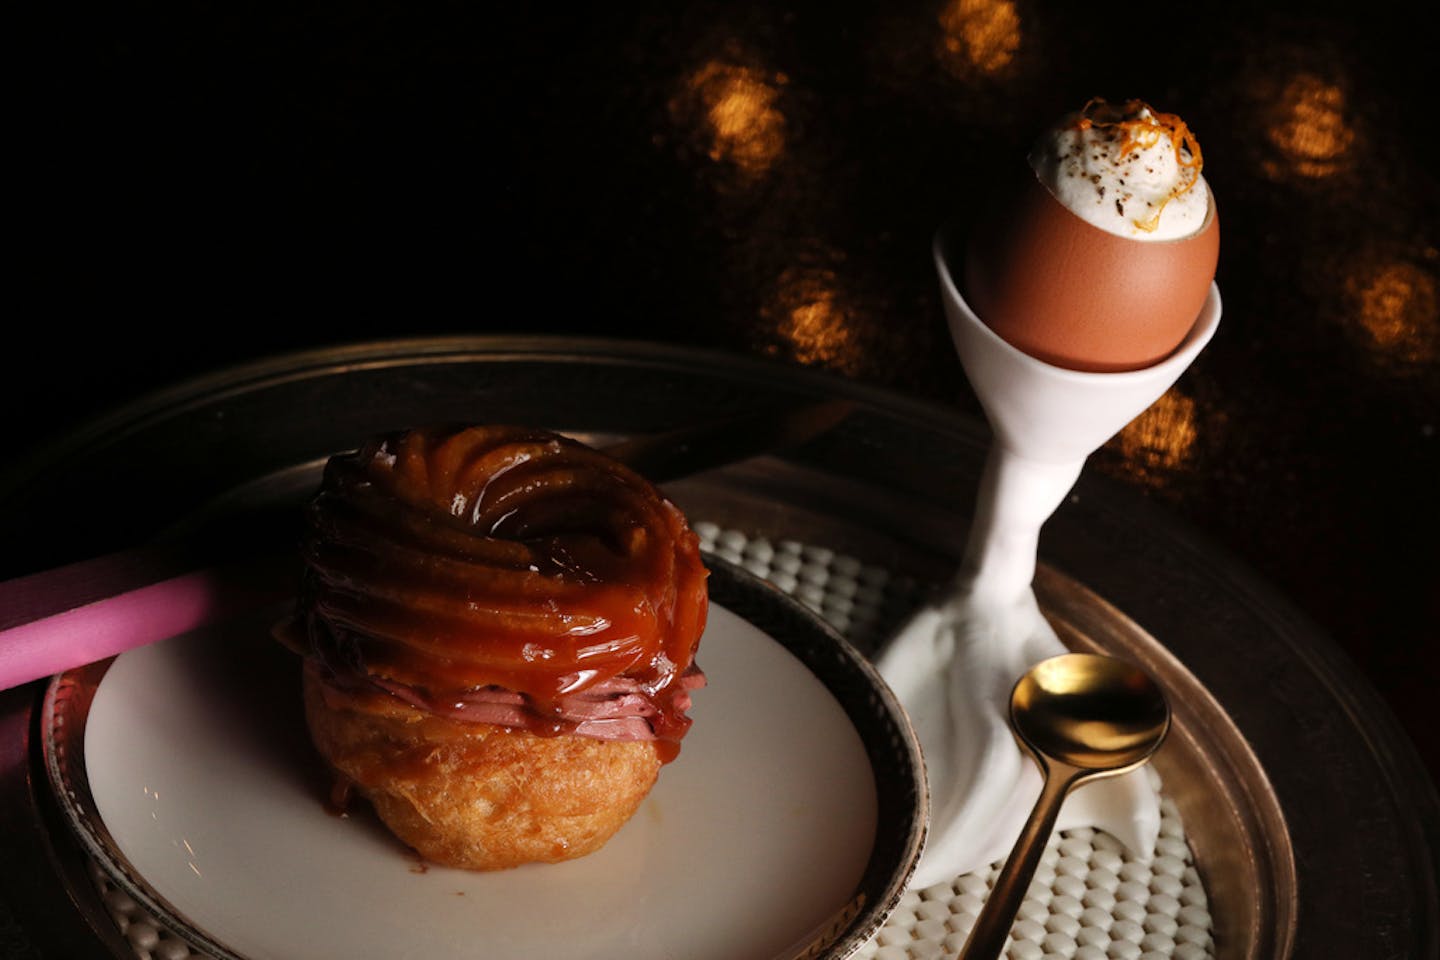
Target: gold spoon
[[1082, 717]]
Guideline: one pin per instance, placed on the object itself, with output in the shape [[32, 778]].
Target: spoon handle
[[992, 927]]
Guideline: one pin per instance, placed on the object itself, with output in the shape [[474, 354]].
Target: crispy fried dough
[[478, 796]]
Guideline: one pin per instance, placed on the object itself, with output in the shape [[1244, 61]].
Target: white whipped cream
[[1128, 170]]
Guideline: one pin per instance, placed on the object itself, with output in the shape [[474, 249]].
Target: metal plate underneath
[[1281, 755]]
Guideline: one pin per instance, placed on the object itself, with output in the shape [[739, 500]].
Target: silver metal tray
[[1282, 758]]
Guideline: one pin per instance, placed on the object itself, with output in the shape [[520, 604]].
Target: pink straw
[[85, 632]]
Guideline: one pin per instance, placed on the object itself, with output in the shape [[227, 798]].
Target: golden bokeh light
[[1309, 130], [1396, 305], [978, 36], [812, 321], [735, 109], [1160, 442]]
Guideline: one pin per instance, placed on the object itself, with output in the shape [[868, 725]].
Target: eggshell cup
[[1047, 413], [1073, 295]]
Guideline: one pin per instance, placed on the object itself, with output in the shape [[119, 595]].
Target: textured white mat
[[1090, 899]]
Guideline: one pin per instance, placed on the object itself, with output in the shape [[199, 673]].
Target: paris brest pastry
[[499, 627]]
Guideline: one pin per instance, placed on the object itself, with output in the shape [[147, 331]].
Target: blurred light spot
[[1307, 127], [1397, 306], [732, 111], [978, 36], [812, 321], [1159, 442]]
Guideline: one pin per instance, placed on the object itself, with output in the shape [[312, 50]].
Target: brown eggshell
[[1073, 295]]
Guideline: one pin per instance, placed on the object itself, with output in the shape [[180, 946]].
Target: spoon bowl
[[1091, 712]]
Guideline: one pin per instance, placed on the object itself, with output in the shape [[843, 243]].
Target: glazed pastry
[[499, 627]]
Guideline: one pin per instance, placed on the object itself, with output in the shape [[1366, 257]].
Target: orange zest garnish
[[1143, 127]]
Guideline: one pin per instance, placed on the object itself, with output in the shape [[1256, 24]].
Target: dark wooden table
[[205, 186]]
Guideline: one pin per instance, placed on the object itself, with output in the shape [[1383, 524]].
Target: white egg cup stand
[[953, 664]]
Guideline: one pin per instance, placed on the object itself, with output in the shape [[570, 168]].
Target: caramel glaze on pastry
[[499, 627]]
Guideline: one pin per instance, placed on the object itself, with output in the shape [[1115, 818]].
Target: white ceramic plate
[[787, 827]]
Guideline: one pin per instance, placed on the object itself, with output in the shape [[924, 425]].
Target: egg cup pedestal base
[[953, 664]]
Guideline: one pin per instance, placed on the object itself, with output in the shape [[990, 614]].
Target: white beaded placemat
[[1090, 899]]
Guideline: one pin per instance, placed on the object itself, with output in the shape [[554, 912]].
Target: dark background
[[208, 184]]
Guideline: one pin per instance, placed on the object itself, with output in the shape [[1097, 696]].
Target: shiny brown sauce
[[445, 561]]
